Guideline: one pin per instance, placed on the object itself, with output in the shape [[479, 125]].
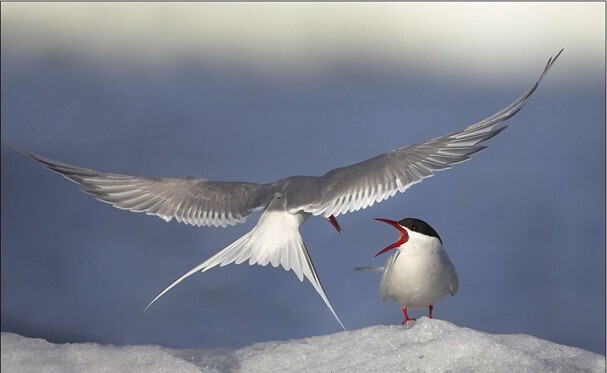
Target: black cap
[[419, 226]]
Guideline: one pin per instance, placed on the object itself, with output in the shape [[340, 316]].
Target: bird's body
[[420, 272], [289, 202]]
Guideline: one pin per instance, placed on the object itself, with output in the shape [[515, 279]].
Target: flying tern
[[289, 202]]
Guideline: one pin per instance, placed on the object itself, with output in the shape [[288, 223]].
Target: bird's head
[[409, 228]]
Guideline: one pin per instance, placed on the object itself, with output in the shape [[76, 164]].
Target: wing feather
[[189, 200], [358, 186]]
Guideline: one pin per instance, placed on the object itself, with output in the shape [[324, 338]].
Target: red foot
[[334, 223], [430, 308], [407, 318]]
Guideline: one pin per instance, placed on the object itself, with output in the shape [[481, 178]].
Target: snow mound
[[425, 345]]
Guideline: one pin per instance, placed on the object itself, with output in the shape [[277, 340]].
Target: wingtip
[[20, 149], [368, 269], [551, 62]]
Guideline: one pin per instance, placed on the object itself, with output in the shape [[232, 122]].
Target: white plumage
[[419, 273]]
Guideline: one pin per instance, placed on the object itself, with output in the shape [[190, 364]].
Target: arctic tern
[[420, 272]]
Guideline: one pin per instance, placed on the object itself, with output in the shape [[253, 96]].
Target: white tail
[[276, 240]]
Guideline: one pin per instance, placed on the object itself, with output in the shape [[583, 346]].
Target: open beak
[[404, 236]]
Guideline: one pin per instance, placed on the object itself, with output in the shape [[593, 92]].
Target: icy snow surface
[[425, 345]]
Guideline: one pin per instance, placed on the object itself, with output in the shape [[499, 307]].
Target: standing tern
[[286, 203], [419, 273]]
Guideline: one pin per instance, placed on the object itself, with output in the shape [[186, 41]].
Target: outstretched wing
[[360, 185], [189, 200]]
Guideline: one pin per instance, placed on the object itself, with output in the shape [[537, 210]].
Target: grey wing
[[189, 200], [454, 281], [369, 269], [360, 185], [384, 287]]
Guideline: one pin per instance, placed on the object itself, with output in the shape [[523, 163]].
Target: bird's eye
[[414, 228]]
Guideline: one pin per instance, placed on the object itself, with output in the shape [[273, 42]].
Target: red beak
[[404, 236]]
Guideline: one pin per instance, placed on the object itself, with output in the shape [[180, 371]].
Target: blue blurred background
[[259, 92]]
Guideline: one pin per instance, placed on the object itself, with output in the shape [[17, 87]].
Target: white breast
[[419, 273]]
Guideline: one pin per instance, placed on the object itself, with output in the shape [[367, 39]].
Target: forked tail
[[276, 240]]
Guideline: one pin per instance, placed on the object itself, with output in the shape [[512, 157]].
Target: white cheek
[[418, 240]]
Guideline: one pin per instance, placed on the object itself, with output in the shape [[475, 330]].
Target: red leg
[[430, 308], [334, 223], [407, 318]]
